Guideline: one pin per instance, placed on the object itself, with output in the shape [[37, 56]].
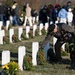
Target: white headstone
[[27, 31], [46, 26], [11, 19], [11, 33], [37, 18], [56, 22], [5, 57], [54, 41], [51, 22], [40, 28], [21, 19], [33, 19], [7, 24], [1, 24], [46, 50], [34, 29], [35, 48], [20, 31], [2, 34], [21, 54], [63, 47]]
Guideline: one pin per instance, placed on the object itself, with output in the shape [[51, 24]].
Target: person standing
[[55, 12], [2, 13], [69, 17], [15, 12], [68, 5], [28, 15], [62, 15]]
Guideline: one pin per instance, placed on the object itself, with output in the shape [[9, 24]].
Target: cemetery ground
[[48, 69]]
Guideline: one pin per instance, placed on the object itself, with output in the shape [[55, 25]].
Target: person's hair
[[69, 2], [63, 6], [14, 2]]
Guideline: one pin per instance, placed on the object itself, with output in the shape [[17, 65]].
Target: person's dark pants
[[15, 20], [58, 45], [2, 18]]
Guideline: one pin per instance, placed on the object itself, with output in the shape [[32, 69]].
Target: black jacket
[[1, 9], [58, 35], [15, 12]]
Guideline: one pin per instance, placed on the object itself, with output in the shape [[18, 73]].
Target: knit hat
[[57, 5]]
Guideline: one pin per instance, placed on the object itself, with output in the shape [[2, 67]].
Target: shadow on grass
[[0, 55], [66, 61], [14, 56]]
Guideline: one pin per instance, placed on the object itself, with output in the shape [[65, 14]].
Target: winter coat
[[62, 13]]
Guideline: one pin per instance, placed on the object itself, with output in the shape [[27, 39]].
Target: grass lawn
[[49, 69]]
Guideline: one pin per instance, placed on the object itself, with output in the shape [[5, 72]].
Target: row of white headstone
[[10, 21], [20, 31], [34, 19], [22, 52]]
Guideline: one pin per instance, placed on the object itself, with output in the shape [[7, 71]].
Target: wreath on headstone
[[23, 36], [41, 60], [15, 38], [30, 34], [3, 28], [27, 62], [5, 40], [43, 31], [37, 32]]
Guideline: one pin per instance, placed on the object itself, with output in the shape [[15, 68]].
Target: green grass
[[49, 69]]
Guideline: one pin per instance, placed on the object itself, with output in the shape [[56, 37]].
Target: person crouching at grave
[[62, 32], [28, 15]]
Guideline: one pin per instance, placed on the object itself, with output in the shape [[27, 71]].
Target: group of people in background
[[64, 14], [50, 13], [13, 14]]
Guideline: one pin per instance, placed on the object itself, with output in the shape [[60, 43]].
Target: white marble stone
[[40, 28], [54, 41], [51, 22], [46, 50], [2, 34], [46, 26], [27, 31], [20, 31], [35, 48], [21, 54], [11, 33], [7, 24], [63, 47], [11, 19], [1, 24], [37, 18], [5, 57], [34, 29], [21, 18], [56, 22]]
